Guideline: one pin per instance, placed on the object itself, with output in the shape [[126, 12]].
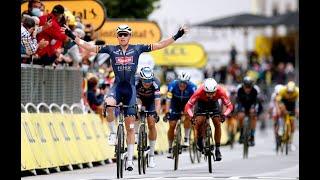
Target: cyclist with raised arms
[[124, 60], [205, 99], [148, 95], [179, 92]]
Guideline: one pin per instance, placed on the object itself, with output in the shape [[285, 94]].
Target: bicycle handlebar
[[120, 106]]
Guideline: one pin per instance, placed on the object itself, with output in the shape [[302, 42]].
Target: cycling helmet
[[291, 86], [210, 85], [184, 77], [123, 28], [146, 74], [277, 88], [247, 81]]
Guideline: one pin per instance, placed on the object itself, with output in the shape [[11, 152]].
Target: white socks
[[170, 144], [111, 126], [187, 132], [152, 144], [130, 151]]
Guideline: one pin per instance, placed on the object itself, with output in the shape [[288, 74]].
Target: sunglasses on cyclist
[[147, 80], [123, 34]]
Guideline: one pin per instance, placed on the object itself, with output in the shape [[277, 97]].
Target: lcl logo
[[175, 51]]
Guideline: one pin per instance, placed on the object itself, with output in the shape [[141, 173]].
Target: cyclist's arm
[[166, 42], [157, 102], [87, 46], [226, 101], [191, 102]]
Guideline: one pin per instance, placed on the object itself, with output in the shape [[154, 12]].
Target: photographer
[[95, 96]]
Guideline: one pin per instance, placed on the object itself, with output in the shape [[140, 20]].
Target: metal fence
[[61, 85]]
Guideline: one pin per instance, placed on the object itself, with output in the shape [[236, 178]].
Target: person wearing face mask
[[28, 39], [34, 8], [52, 34]]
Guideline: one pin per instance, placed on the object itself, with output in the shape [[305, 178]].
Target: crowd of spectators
[[43, 42]]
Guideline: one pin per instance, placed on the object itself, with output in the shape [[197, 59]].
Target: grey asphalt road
[[263, 163]]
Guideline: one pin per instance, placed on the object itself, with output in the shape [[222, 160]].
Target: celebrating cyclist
[[124, 60], [247, 104], [179, 92], [148, 95], [287, 98], [205, 99]]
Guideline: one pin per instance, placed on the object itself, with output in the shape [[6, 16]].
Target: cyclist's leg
[[187, 129], [215, 108], [150, 106], [128, 96], [240, 117], [200, 132], [111, 100], [253, 123]]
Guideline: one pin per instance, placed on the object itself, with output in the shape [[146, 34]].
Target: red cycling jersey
[[200, 94]]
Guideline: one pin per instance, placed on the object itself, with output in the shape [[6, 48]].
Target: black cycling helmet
[[247, 81]]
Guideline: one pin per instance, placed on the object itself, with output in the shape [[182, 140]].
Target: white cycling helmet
[[291, 86], [184, 77], [123, 28], [146, 74], [277, 88], [210, 85]]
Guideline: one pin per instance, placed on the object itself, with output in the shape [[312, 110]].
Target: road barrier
[[55, 137]]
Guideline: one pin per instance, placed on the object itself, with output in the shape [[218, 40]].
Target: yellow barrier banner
[[86, 138], [39, 145], [143, 32], [28, 161], [91, 11], [42, 124], [59, 139], [181, 54], [96, 126]]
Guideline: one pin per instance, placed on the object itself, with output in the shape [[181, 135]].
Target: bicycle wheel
[[119, 151], [144, 147], [246, 138], [192, 146], [176, 148], [208, 149], [140, 149]]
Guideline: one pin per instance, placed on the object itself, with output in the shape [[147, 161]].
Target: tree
[[139, 9]]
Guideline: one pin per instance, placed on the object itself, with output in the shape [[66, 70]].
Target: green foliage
[[139, 9]]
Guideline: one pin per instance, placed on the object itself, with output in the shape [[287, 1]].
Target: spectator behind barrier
[[95, 96], [54, 34], [34, 8], [29, 44]]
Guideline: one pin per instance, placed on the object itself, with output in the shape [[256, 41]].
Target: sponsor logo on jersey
[[124, 60]]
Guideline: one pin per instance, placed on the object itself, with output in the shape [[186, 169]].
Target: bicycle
[[176, 146], [284, 135], [209, 147], [193, 152], [120, 150], [246, 136], [143, 150]]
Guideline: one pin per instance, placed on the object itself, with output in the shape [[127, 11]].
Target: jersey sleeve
[[104, 49], [191, 102], [156, 84], [170, 89], [144, 48], [226, 101]]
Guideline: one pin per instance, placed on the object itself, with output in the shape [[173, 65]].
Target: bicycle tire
[[140, 150], [208, 147], [192, 146], [119, 151], [176, 148], [246, 138], [144, 147]]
